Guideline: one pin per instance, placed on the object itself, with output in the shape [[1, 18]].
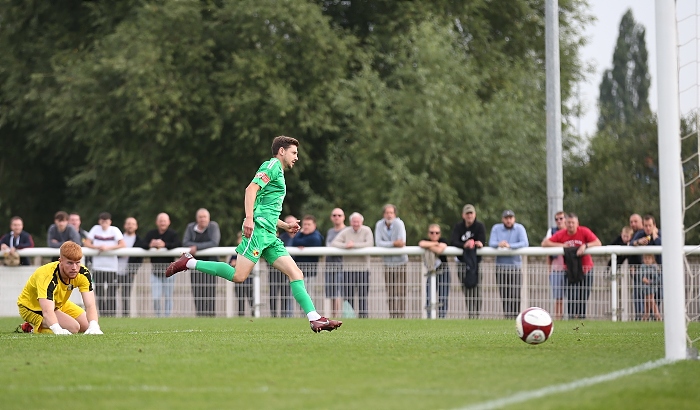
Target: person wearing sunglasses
[[436, 244]]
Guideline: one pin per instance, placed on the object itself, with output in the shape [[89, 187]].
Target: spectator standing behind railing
[[355, 268], [581, 238], [203, 234], [74, 221], [623, 239], [651, 279], [105, 237], [557, 275], [509, 235], [469, 234], [60, 231], [309, 237], [390, 232], [436, 245], [128, 265], [634, 262], [649, 235], [636, 224], [334, 265], [15, 240], [162, 237]]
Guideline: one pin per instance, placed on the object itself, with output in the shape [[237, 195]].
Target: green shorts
[[262, 243]]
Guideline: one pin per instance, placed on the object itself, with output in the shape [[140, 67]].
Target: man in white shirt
[[105, 237]]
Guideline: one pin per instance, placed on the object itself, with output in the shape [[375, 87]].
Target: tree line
[[140, 107]]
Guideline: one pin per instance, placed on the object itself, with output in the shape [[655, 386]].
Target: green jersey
[[268, 202]]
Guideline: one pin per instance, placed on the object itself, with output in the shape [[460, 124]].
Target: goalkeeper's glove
[[94, 328], [58, 330]]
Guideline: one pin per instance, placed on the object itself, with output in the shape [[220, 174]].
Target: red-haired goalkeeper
[[44, 304]]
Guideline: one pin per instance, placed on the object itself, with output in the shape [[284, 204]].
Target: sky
[[602, 36]]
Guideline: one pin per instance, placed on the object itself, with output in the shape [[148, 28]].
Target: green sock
[[301, 295], [220, 269]]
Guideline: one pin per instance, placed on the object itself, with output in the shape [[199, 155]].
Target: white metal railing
[[371, 251], [612, 298]]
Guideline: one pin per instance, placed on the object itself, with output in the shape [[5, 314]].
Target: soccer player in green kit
[[263, 205]]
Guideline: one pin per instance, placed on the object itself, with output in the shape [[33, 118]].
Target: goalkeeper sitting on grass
[[44, 303]]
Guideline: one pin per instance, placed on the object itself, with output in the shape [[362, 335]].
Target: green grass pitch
[[367, 364]]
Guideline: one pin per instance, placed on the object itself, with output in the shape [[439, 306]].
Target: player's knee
[[72, 326], [295, 273]]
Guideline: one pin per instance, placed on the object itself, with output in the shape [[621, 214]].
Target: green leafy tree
[[139, 107], [618, 175], [624, 91]]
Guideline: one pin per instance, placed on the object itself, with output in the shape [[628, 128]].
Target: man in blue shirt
[[509, 235], [310, 237]]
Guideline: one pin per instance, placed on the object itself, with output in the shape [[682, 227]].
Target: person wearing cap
[[44, 302], [469, 234], [509, 235]]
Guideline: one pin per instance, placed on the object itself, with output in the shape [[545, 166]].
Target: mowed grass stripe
[[562, 388], [366, 364]]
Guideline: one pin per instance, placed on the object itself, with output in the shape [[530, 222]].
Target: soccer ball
[[534, 325]]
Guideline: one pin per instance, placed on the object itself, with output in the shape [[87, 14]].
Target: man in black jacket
[[469, 235], [159, 238], [16, 239]]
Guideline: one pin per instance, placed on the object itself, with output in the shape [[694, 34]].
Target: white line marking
[[156, 332], [560, 388]]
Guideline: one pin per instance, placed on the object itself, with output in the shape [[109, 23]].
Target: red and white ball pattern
[[534, 325]]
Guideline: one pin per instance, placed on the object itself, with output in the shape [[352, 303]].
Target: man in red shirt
[[582, 238]]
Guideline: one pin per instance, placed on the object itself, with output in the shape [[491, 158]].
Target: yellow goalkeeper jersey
[[46, 283]]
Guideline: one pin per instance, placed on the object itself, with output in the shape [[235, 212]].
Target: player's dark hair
[[103, 216], [283, 142]]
